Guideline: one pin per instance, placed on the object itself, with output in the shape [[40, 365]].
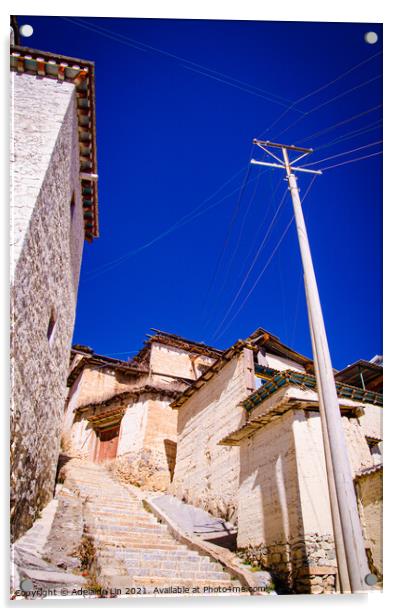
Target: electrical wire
[[331, 100], [354, 160], [296, 308], [329, 128], [226, 277], [187, 64], [233, 217], [179, 223], [362, 147], [323, 87], [263, 270], [354, 133], [269, 230]]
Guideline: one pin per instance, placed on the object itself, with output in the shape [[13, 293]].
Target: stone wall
[[206, 474], [46, 253]]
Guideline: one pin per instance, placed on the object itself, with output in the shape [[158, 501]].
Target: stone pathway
[[42, 560], [97, 534]]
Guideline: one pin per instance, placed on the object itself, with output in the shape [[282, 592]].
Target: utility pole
[[339, 476]]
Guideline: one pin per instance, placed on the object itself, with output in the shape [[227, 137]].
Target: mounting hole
[[370, 579], [26, 30], [371, 37], [26, 585]]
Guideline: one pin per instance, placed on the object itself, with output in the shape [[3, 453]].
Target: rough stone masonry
[[46, 247]]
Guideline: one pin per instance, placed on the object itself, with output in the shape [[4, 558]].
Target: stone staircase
[[42, 560], [130, 548]]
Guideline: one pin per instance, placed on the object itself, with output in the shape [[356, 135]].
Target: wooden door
[[107, 443]]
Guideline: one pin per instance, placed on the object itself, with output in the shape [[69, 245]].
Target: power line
[[253, 262], [362, 147], [242, 226], [296, 307], [244, 301], [334, 98], [222, 286], [329, 128], [354, 160], [323, 87], [179, 223], [278, 245], [229, 228], [354, 133], [188, 64]]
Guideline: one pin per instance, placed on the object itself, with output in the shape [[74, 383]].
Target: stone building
[[206, 474], [53, 209], [250, 448], [120, 412]]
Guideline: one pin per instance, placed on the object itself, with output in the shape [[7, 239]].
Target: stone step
[[133, 549], [118, 543], [123, 514], [127, 520], [180, 552], [131, 529], [181, 565], [149, 583], [135, 540], [173, 575]]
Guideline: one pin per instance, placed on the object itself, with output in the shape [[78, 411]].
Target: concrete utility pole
[[340, 479]]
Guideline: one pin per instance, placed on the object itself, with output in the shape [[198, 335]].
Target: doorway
[[107, 444]]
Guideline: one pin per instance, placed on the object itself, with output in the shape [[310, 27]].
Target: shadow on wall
[[170, 452], [268, 465]]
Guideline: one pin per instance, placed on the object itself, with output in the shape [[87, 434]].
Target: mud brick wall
[[206, 474], [174, 362], [46, 249], [369, 493], [284, 520]]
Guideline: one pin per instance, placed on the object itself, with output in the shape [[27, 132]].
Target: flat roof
[[361, 373]]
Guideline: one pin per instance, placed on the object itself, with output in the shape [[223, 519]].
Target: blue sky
[[175, 122]]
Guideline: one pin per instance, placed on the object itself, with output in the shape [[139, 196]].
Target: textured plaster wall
[[206, 473], [133, 427], [147, 427], [369, 492], [174, 362], [284, 518], [284, 522], [269, 493], [278, 363], [46, 248], [371, 421]]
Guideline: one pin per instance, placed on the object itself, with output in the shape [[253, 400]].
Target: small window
[[51, 327], [72, 208]]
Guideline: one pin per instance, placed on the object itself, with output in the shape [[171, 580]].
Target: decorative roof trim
[[81, 74], [100, 361], [285, 404], [274, 345], [182, 343], [125, 396], [308, 381], [369, 471]]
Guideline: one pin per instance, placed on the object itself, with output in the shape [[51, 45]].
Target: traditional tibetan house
[[120, 411], [250, 448], [206, 474]]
